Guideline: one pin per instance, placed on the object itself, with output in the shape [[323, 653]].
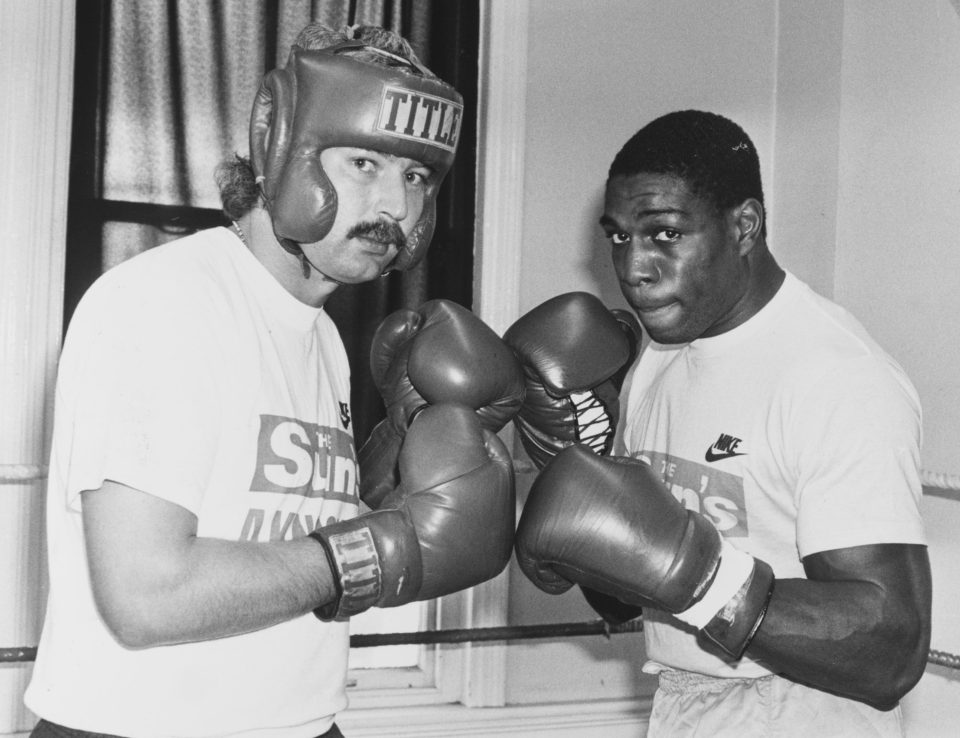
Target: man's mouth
[[654, 310], [380, 248]]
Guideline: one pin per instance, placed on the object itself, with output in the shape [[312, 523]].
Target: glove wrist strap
[[734, 569], [733, 628], [355, 566]]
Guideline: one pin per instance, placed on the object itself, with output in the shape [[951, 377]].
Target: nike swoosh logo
[[710, 456]]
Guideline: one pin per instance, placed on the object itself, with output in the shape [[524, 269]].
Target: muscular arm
[[858, 627], [156, 582]]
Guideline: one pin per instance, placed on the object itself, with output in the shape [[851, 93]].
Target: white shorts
[[688, 704]]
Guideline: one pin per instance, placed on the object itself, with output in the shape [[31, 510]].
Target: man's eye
[[619, 239], [418, 178], [361, 164], [666, 235]]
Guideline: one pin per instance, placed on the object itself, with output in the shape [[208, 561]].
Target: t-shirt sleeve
[[137, 396], [858, 465]]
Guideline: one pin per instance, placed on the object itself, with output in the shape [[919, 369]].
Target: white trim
[[609, 718], [499, 227], [36, 80], [500, 157], [475, 676]]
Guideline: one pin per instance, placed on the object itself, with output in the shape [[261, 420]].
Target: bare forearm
[[156, 582], [845, 637], [215, 588]]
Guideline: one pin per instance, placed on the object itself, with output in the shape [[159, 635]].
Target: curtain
[[167, 98], [182, 75]]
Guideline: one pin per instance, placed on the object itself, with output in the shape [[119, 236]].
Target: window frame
[[472, 676]]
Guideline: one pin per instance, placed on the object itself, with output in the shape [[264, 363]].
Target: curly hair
[[713, 155], [235, 179], [318, 36], [238, 186]]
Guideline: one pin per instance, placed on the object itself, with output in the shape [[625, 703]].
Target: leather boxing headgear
[[325, 98]]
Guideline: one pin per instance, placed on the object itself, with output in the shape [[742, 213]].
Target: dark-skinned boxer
[[761, 502]]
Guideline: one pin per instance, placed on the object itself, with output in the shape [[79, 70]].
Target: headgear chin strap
[[325, 98]]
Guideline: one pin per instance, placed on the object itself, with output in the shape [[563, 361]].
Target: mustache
[[380, 230]]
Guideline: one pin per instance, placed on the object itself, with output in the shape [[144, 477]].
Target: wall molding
[[500, 157], [36, 71], [499, 230], [609, 718]]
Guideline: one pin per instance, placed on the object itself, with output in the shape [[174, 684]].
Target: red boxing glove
[[447, 526], [608, 524], [575, 353], [439, 353]]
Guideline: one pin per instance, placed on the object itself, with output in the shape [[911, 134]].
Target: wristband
[[733, 628], [733, 572], [355, 566]]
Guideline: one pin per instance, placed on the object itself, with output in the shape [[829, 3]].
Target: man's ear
[[748, 220]]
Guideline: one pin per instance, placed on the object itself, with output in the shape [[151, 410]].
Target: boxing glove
[[607, 523], [574, 353], [447, 526], [439, 353], [610, 608]]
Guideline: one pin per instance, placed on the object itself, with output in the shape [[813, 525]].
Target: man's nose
[[392, 199], [637, 265]]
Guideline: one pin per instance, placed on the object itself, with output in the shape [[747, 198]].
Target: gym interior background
[[855, 108]]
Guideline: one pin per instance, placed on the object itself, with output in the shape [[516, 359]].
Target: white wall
[[597, 71], [855, 109], [898, 256]]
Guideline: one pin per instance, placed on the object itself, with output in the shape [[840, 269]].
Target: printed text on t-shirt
[[295, 457], [704, 489]]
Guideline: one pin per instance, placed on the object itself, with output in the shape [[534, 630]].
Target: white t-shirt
[[793, 433], [190, 373]]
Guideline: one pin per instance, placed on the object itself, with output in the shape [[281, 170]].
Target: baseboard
[[609, 718]]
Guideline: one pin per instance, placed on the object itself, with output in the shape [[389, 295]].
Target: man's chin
[[358, 280], [666, 334], [366, 272]]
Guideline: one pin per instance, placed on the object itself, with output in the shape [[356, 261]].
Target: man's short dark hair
[[711, 154]]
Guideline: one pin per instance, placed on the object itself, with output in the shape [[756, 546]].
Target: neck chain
[[236, 227]]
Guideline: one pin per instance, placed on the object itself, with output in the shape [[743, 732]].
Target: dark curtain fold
[[162, 95]]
